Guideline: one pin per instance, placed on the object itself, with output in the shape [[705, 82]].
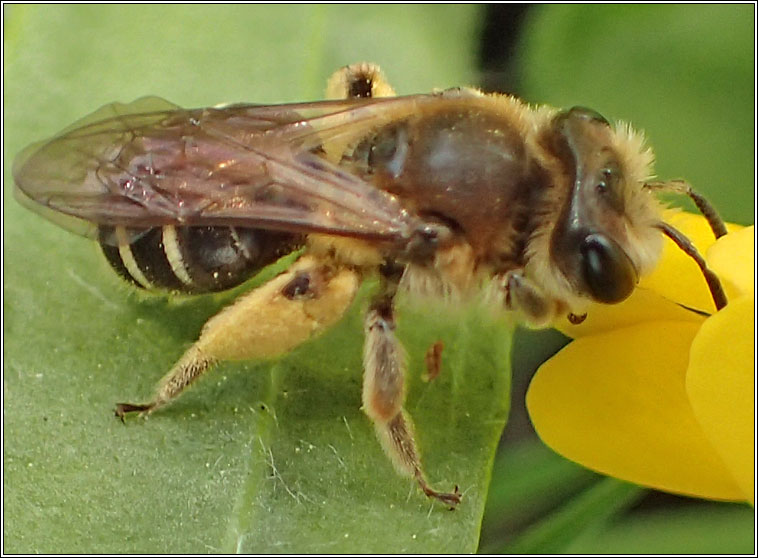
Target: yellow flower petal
[[733, 260], [616, 403], [643, 306], [677, 277], [721, 387]]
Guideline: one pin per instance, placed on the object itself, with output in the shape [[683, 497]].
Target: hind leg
[[267, 322]]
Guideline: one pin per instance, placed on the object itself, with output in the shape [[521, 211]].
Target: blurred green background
[[684, 74]]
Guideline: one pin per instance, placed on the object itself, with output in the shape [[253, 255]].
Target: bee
[[456, 195]]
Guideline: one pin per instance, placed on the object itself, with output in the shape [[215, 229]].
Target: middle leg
[[384, 388]]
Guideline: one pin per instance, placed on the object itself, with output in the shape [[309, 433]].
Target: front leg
[[527, 298], [384, 388]]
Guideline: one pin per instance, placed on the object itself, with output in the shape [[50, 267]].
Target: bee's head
[[603, 236]]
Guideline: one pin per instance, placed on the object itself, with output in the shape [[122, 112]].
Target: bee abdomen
[[192, 259]]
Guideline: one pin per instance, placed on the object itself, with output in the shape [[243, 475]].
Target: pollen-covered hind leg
[[267, 322], [363, 80], [384, 393]]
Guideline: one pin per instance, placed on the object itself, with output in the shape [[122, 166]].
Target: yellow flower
[[654, 393]]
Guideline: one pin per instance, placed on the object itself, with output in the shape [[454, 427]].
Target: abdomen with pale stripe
[[193, 259]]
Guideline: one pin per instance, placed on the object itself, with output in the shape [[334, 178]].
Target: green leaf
[[697, 529], [585, 513], [261, 456], [529, 482]]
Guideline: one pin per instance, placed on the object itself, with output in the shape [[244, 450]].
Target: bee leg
[[526, 297], [384, 389], [187, 369], [267, 322], [358, 81]]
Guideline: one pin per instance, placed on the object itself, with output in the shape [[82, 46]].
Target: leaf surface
[[258, 457]]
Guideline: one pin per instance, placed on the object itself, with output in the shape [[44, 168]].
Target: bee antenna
[[683, 187], [685, 244]]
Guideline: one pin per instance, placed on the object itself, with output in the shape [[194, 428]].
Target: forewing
[[151, 163]]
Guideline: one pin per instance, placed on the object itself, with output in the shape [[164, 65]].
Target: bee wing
[[151, 163]]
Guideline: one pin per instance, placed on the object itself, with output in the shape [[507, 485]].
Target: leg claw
[[451, 499], [123, 408]]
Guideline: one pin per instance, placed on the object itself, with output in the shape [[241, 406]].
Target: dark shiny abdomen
[[193, 259]]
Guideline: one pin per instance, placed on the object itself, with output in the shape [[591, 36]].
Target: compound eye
[[608, 272]]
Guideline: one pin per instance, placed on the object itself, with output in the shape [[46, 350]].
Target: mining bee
[[455, 194]]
